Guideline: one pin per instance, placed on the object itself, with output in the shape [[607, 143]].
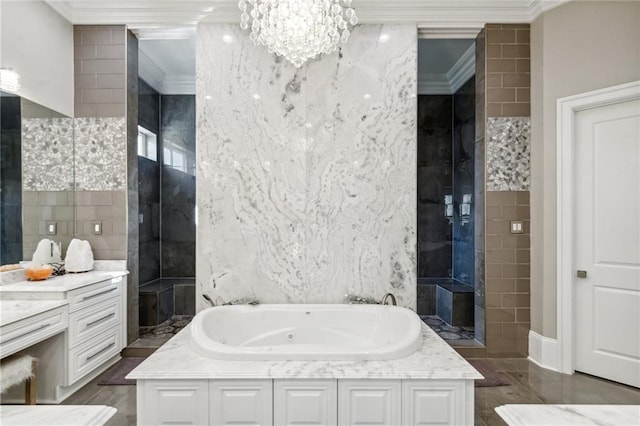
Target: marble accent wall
[[47, 154], [306, 184], [508, 153], [101, 156]]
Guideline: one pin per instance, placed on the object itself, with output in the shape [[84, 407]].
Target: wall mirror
[[36, 177]]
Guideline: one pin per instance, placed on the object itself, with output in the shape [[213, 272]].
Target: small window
[[147, 144], [178, 158]]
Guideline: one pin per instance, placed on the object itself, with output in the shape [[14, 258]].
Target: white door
[[607, 242]]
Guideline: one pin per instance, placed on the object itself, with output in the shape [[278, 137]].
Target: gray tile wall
[[100, 70], [40, 208], [109, 208], [133, 238]]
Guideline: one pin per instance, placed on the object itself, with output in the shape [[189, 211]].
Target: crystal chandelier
[[298, 29]]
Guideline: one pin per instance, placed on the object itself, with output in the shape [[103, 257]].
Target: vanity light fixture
[[298, 29], [9, 80]]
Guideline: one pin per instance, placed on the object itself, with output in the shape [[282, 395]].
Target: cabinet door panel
[[305, 402], [433, 403], [369, 402], [241, 402], [173, 402]]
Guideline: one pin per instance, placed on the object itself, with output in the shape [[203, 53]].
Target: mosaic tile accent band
[[101, 154], [47, 154], [508, 153], [306, 186]]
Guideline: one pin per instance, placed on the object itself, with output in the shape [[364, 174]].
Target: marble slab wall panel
[[47, 153], [306, 186], [101, 154], [508, 153]]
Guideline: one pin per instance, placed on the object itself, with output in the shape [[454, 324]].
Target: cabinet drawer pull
[[33, 330], [109, 290], [92, 323], [89, 358]]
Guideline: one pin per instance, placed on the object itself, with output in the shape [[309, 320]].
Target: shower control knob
[[581, 274]]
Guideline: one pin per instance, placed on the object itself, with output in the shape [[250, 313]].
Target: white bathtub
[[306, 332]]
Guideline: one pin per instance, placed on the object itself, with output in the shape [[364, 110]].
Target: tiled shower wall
[[435, 180], [508, 135], [306, 177]]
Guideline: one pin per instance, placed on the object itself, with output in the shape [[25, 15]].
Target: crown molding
[[150, 72], [433, 84], [468, 15], [463, 69], [449, 83], [179, 85]]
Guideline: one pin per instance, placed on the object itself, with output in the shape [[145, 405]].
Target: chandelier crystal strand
[[298, 29]]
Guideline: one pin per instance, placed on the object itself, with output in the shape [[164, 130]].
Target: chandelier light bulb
[[298, 29]]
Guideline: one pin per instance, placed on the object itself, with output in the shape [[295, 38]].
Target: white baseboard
[[543, 351]]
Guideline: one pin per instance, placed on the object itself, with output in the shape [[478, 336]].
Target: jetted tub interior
[[295, 332]]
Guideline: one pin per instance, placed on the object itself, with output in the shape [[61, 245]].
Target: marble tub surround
[[306, 177], [433, 360], [56, 415], [584, 415]]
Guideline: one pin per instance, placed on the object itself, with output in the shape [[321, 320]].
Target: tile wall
[[100, 137], [507, 79], [10, 180], [178, 128], [435, 181], [149, 188]]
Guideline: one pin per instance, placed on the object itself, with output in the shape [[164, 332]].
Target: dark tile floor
[[167, 329], [446, 331], [530, 384]]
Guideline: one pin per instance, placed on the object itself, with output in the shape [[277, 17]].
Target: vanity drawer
[[26, 332], [92, 320], [94, 293], [85, 357]]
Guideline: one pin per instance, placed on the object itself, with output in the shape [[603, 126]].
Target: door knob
[[581, 274]]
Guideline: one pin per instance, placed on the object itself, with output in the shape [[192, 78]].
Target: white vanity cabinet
[[284, 402], [96, 327], [75, 341]]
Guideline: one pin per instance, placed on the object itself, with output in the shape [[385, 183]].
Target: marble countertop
[[55, 415], [539, 415], [14, 310], [434, 360], [60, 284]]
